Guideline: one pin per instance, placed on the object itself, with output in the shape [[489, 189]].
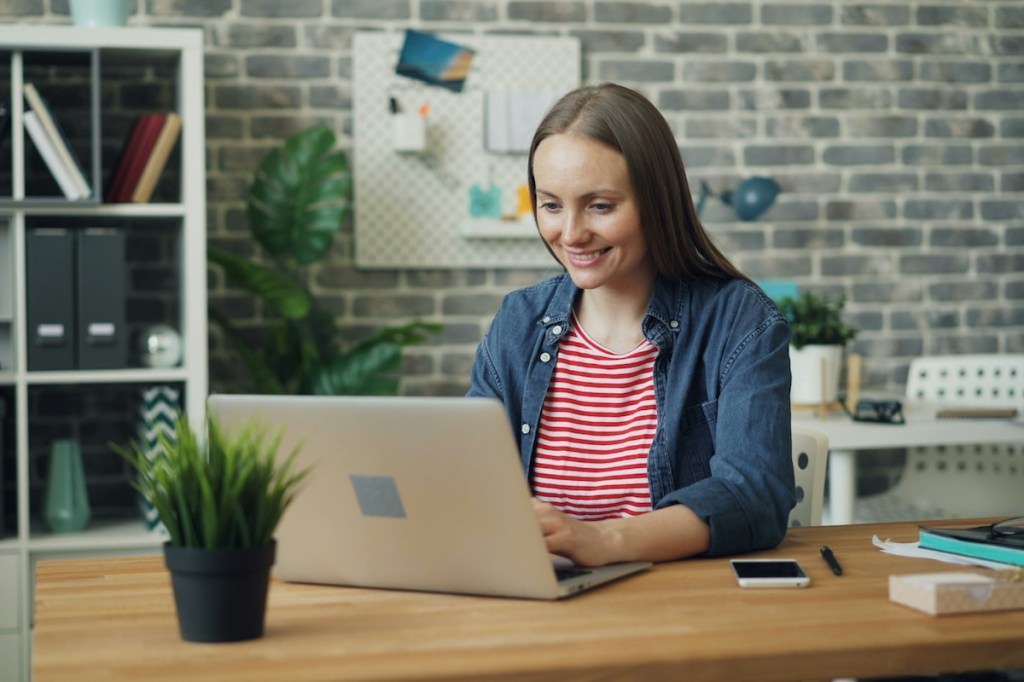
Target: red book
[[117, 178], [157, 158], [133, 157]]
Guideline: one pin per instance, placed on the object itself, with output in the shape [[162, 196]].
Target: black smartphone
[[769, 573]]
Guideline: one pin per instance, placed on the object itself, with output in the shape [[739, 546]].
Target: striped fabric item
[[159, 407], [596, 429]]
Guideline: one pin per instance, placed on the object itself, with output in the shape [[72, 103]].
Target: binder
[[49, 290], [100, 292]]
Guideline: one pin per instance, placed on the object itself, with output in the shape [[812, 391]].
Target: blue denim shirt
[[721, 382]]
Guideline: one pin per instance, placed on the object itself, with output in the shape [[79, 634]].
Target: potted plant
[[220, 503], [819, 337], [298, 201]]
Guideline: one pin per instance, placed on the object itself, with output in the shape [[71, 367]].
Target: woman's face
[[587, 213]]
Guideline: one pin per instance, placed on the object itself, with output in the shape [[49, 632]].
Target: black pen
[[831, 559]]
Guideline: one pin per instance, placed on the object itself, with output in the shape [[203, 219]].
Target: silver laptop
[[413, 494]]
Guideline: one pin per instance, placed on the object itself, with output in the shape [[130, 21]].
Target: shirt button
[[674, 324], [547, 318], [545, 357], [556, 330], [526, 429]]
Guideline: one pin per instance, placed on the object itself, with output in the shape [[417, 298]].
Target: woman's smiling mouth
[[583, 259]]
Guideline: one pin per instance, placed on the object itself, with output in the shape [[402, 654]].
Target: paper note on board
[[512, 118]]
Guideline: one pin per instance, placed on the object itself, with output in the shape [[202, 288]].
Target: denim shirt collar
[[661, 323]]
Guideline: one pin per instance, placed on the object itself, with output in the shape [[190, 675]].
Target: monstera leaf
[[299, 199], [279, 291], [371, 367], [301, 196]]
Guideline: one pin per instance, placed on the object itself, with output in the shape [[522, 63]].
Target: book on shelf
[[165, 142], [978, 542], [133, 157], [44, 145], [57, 140]]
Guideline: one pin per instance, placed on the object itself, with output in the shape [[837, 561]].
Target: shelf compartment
[[67, 82], [97, 417], [153, 283], [135, 83]]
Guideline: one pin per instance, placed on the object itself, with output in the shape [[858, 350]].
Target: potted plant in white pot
[[220, 501], [819, 337]]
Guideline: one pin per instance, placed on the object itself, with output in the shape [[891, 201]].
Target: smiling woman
[[588, 216], [648, 385]]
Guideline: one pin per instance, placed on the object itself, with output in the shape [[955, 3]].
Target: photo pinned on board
[[435, 61]]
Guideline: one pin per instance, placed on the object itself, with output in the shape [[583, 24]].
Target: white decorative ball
[[160, 346]]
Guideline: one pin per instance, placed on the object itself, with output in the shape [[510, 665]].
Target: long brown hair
[[629, 123]]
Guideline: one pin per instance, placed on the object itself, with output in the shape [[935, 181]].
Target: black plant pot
[[220, 594]]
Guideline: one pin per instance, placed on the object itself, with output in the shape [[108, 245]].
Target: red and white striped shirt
[[596, 429]]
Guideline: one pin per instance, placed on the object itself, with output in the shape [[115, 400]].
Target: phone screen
[[769, 573], [768, 569]]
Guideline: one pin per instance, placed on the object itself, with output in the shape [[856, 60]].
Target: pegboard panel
[[413, 209]]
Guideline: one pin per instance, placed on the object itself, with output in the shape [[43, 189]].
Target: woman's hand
[[584, 543], [662, 535]]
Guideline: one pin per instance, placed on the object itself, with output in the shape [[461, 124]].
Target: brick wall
[[895, 127]]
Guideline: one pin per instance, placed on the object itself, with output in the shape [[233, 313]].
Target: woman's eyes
[[599, 206]]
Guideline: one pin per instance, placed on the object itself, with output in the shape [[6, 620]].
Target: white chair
[[810, 457], [940, 482]]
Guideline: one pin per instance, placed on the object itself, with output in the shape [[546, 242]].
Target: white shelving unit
[[170, 58]]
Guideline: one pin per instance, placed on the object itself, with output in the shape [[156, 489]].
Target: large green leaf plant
[[299, 199]]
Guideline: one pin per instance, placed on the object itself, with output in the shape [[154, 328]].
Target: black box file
[[100, 276], [49, 257]]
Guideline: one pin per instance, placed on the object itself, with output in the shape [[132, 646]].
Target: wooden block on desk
[[944, 593]]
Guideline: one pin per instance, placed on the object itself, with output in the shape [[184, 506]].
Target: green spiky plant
[[815, 319], [230, 494], [299, 199]]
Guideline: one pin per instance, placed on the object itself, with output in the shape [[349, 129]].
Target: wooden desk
[[846, 437], [683, 620]]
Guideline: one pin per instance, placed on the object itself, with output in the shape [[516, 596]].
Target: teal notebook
[[977, 542]]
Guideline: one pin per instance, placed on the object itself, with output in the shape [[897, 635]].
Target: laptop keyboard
[[569, 573]]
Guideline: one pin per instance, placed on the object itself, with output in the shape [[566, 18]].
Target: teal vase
[[67, 500], [92, 13]]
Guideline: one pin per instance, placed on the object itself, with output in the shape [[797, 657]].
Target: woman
[[648, 386]]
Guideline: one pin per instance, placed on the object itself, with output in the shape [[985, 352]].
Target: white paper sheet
[[913, 549]]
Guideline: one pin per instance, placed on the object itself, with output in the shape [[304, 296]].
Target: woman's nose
[[573, 230]]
